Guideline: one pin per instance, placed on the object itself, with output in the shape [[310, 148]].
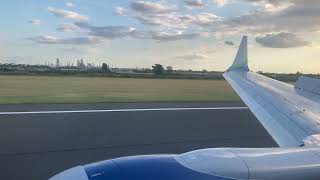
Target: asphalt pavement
[[36, 146]]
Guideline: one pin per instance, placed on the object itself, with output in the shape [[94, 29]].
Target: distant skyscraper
[[57, 62]]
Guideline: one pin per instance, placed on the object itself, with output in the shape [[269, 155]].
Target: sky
[[284, 36]]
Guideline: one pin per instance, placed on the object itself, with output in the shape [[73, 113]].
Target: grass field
[[66, 89]]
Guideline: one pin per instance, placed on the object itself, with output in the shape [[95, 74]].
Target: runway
[[38, 141]]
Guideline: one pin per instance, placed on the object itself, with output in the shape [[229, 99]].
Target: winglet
[[241, 60]]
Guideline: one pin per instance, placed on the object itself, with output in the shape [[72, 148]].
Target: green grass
[[66, 89]]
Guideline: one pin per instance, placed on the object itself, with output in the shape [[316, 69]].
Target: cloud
[[61, 13], [276, 7], [229, 43], [193, 56], [35, 21], [169, 16], [71, 41], [201, 19], [68, 27], [121, 11], [281, 40], [155, 14], [220, 2], [277, 16], [166, 22], [73, 50], [70, 4], [163, 37], [177, 21], [139, 34], [81, 50], [270, 16], [274, 2], [194, 3], [273, 5], [114, 32], [162, 20], [148, 7], [95, 34], [110, 32]]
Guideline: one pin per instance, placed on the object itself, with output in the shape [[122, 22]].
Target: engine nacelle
[[261, 163], [206, 164]]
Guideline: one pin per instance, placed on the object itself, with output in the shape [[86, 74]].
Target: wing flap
[[309, 84]]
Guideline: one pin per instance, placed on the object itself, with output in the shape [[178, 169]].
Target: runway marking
[[120, 110]]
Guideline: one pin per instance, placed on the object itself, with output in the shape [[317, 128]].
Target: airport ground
[[70, 89], [37, 145]]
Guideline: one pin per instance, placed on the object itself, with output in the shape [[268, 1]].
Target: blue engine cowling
[[207, 164], [150, 167]]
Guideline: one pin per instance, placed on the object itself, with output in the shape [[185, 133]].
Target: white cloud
[[201, 19], [73, 41], [273, 5], [82, 50], [155, 14], [70, 4], [168, 16], [121, 11], [68, 14], [163, 20], [193, 56], [220, 2], [275, 8], [164, 36], [68, 27], [45, 39], [177, 21], [36, 21]]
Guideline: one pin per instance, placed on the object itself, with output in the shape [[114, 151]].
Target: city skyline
[[186, 34]]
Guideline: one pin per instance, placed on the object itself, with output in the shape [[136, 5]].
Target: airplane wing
[[290, 113]]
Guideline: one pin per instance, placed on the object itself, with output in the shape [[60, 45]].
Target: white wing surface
[[289, 113]]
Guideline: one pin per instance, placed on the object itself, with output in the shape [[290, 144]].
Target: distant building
[[57, 62], [122, 70], [80, 64], [90, 66]]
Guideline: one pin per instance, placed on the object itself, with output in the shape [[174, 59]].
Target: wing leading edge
[[290, 114]]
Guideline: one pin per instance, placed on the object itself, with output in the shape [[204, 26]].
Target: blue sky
[[185, 34]]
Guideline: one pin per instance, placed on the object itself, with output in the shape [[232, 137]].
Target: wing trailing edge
[[309, 84]]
